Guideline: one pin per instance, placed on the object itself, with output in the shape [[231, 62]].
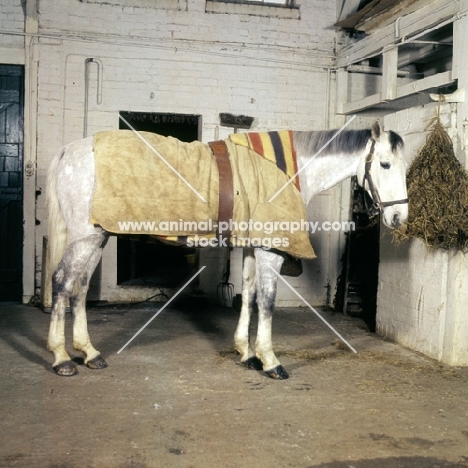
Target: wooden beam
[[364, 103], [31, 73], [348, 8], [428, 16], [341, 89], [434, 81], [407, 57], [389, 75], [460, 73], [460, 35]]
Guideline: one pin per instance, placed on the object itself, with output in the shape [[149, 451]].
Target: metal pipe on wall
[[98, 62]]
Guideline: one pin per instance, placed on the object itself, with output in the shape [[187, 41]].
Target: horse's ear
[[376, 130]]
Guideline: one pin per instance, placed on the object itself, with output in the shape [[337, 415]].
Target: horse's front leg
[[81, 340], [266, 283], [242, 336]]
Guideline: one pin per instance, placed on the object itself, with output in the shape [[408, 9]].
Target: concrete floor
[[176, 397]]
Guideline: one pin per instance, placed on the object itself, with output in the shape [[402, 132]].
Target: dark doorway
[[11, 182], [143, 260], [358, 283]]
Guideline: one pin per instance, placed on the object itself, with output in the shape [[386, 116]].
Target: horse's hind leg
[[241, 337], [63, 365], [81, 340], [73, 265], [266, 282]]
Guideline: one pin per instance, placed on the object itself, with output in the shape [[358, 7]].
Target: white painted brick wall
[[179, 59], [11, 20], [415, 283]]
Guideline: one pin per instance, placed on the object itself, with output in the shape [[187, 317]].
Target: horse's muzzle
[[397, 217], [396, 221]]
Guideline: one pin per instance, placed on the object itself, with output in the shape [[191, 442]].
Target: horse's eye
[[385, 165]]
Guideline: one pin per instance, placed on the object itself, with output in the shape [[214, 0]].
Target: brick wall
[[12, 21]]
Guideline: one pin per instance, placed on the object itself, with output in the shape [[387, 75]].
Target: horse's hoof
[[278, 373], [97, 363], [65, 369], [253, 363]]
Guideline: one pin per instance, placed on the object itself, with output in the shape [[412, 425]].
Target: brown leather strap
[[226, 198]]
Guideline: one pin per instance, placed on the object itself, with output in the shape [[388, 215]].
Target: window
[[285, 3], [287, 9]]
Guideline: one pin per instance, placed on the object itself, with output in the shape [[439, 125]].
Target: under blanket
[[165, 187]]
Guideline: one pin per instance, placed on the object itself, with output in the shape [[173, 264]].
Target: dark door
[[11, 183], [146, 261]]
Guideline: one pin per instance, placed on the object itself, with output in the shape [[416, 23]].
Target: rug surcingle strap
[[226, 190]]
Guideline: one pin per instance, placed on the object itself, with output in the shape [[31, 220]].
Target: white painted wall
[[422, 296], [12, 17], [189, 57]]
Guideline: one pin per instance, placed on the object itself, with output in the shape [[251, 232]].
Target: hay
[[438, 194]]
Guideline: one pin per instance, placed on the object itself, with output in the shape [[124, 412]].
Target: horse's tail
[[57, 229]]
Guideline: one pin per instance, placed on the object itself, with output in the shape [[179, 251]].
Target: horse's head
[[382, 172]]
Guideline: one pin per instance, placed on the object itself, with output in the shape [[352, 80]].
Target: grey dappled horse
[[374, 156]]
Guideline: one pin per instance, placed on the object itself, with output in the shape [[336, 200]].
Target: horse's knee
[[61, 285], [74, 264]]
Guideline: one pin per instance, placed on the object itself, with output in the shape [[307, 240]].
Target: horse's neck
[[324, 172]]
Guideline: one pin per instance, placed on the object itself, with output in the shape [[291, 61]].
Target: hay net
[[438, 195]]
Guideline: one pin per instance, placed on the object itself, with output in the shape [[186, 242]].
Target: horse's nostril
[[396, 220]]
